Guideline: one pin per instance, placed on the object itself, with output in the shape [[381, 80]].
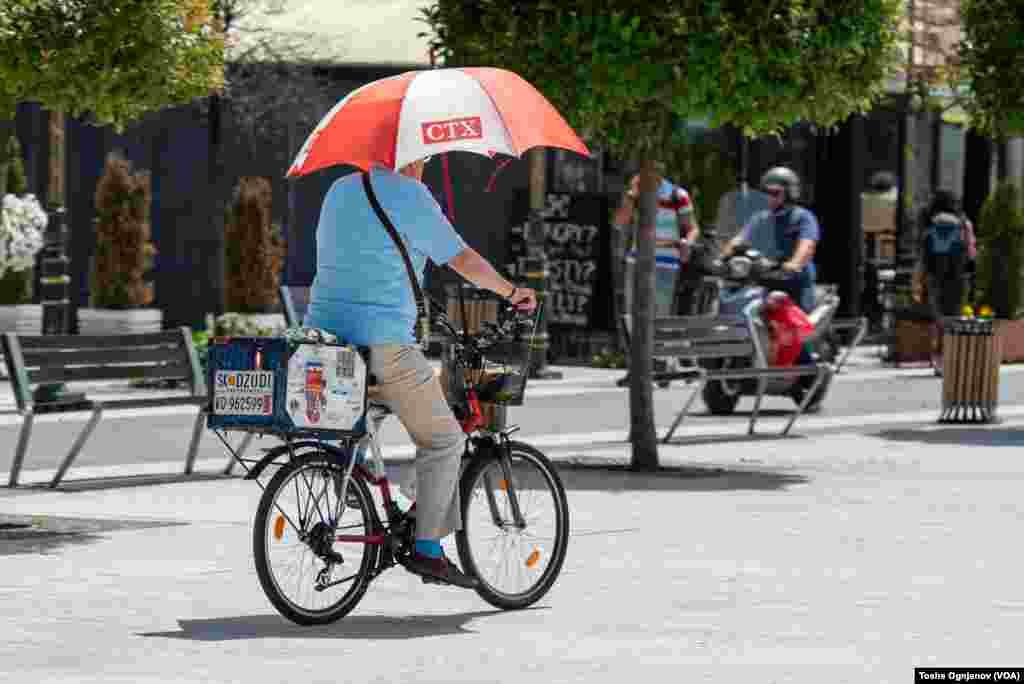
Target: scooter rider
[[786, 232]]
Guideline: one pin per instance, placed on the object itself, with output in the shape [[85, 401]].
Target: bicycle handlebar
[[512, 322]]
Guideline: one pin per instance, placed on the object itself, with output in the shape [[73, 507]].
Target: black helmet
[[784, 177]]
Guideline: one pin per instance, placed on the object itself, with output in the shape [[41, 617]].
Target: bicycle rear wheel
[[516, 565], [309, 576]]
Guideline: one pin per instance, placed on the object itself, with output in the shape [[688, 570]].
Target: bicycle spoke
[[300, 565], [516, 563]]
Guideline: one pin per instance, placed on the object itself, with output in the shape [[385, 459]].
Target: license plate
[[243, 393]]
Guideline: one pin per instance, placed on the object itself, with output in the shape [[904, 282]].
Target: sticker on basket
[[326, 387], [243, 393]]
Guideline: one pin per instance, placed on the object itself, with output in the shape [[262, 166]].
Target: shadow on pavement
[[41, 534], [618, 478], [967, 436], [125, 481], [352, 627], [767, 433]]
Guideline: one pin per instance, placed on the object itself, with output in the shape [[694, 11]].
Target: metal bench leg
[[862, 331], [19, 454], [818, 379], [762, 385], [193, 446], [246, 441], [686, 407], [97, 413]]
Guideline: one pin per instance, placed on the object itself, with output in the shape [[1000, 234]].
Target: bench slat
[[711, 350], [154, 402], [167, 337], [167, 371], [698, 323], [100, 357], [703, 336]]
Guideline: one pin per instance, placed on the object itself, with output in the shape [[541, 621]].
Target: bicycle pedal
[[427, 579]]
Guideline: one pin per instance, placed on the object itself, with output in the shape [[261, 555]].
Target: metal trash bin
[[972, 353]]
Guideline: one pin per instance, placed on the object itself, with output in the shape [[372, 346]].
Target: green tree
[[113, 60], [993, 68], [622, 70]]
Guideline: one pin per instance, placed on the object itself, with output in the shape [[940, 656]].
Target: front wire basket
[[506, 369]]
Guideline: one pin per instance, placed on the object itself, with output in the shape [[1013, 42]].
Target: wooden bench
[[38, 360], [706, 338]]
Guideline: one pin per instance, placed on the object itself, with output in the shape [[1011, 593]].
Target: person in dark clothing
[[947, 247]]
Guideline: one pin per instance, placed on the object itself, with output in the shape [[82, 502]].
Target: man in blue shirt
[[785, 232], [362, 294]]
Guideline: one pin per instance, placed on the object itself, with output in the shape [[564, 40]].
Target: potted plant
[[1000, 237], [22, 224], [254, 256], [120, 294]]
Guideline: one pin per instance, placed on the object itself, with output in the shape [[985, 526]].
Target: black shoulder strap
[[421, 312]]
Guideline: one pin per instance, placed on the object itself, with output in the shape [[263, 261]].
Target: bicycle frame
[[383, 484], [478, 440]]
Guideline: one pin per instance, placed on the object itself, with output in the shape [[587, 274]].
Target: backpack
[[944, 237], [945, 246]]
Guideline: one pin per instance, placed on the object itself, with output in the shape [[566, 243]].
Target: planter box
[[119, 322], [1012, 333], [24, 319], [913, 341]]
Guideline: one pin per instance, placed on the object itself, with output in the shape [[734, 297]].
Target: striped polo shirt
[[673, 202]]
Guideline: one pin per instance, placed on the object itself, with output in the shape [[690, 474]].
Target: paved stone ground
[[842, 558]]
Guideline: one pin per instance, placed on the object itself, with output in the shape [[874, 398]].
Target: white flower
[[22, 222]]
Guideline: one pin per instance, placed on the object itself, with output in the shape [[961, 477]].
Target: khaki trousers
[[407, 386]]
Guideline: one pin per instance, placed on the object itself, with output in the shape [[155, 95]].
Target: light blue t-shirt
[[361, 291]]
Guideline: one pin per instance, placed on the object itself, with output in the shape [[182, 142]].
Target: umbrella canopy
[[398, 120]]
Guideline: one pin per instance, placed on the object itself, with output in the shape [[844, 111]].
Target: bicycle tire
[[472, 474], [357, 493]]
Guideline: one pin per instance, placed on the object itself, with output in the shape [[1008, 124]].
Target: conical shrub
[[124, 253], [254, 249]]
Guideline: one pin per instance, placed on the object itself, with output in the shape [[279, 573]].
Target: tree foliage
[[1001, 251], [625, 72], [114, 59], [993, 65], [624, 68]]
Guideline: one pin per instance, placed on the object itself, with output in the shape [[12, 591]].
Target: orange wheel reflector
[[279, 527], [503, 485], [532, 560]]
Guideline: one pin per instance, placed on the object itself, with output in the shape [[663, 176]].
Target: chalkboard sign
[[578, 249]]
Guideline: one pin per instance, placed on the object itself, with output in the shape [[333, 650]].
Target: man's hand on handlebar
[[791, 267], [523, 299]]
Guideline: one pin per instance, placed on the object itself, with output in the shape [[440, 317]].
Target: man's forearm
[[691, 230], [477, 270], [804, 253]]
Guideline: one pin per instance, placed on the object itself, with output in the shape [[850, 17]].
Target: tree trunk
[[641, 394], [537, 265], [6, 132]]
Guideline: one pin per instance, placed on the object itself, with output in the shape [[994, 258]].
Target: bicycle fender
[[286, 450]]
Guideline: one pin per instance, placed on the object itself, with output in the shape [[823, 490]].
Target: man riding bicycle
[[362, 294]]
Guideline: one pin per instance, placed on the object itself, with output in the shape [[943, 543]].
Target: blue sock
[[428, 547]]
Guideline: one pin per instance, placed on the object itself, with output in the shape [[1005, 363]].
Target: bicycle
[[319, 508]]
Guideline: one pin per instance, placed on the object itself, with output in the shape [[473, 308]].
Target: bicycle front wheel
[[311, 554], [516, 562]]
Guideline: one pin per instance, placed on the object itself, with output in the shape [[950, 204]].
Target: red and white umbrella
[[398, 120]]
